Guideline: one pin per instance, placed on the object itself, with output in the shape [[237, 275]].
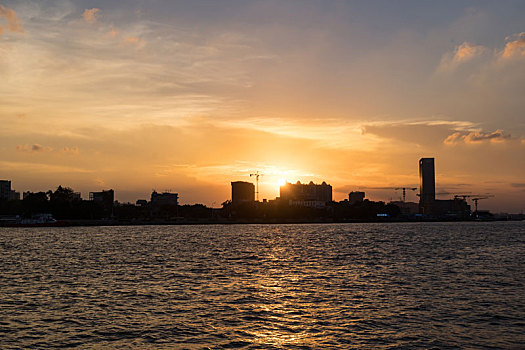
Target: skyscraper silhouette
[[427, 185]]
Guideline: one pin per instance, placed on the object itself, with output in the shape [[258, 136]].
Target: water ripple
[[352, 286]]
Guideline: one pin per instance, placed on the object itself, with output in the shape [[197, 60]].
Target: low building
[[141, 203], [163, 199], [407, 208], [355, 197], [242, 192], [310, 204], [105, 198], [6, 193], [164, 205], [311, 195], [457, 207]]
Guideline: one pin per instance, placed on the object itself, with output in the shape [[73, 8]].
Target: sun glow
[[281, 182]]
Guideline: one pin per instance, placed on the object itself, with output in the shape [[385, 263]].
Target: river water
[[366, 286]]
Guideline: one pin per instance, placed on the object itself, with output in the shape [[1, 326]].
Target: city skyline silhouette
[[191, 96]]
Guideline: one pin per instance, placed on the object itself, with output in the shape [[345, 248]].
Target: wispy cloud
[[70, 150], [90, 15], [497, 136], [38, 148], [35, 148], [131, 40], [452, 124], [13, 24]]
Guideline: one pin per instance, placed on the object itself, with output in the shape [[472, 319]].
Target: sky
[[188, 96]]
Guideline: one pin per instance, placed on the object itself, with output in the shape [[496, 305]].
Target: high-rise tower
[[427, 185]]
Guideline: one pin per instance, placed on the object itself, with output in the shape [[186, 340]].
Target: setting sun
[[281, 182], [240, 87]]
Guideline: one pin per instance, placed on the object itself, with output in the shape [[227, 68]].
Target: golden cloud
[[90, 15], [137, 42], [474, 137], [466, 51], [515, 47], [13, 24], [462, 53]]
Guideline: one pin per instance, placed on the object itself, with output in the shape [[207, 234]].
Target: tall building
[[242, 192], [427, 185], [308, 195]]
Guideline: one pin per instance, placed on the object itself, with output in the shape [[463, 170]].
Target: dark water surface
[[420, 285]]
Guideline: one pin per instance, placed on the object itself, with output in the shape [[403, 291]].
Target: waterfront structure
[[105, 198], [452, 208], [355, 197], [6, 193], [307, 195], [407, 208], [165, 198], [242, 192], [427, 185]]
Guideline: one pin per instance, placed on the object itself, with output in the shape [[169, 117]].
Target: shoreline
[[92, 223]]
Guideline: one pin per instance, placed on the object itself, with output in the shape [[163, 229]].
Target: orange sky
[[137, 96]]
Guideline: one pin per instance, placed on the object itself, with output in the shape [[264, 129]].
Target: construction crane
[[477, 199], [405, 190], [395, 189], [474, 197], [257, 175], [465, 196]]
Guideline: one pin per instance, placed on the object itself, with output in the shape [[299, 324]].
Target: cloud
[[462, 54], [70, 150], [473, 137], [35, 148], [132, 40], [466, 51], [419, 133], [90, 15], [113, 32], [13, 24], [138, 42], [127, 40], [515, 46], [38, 148], [518, 184]]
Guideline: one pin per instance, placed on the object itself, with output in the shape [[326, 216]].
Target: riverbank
[[110, 222]]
